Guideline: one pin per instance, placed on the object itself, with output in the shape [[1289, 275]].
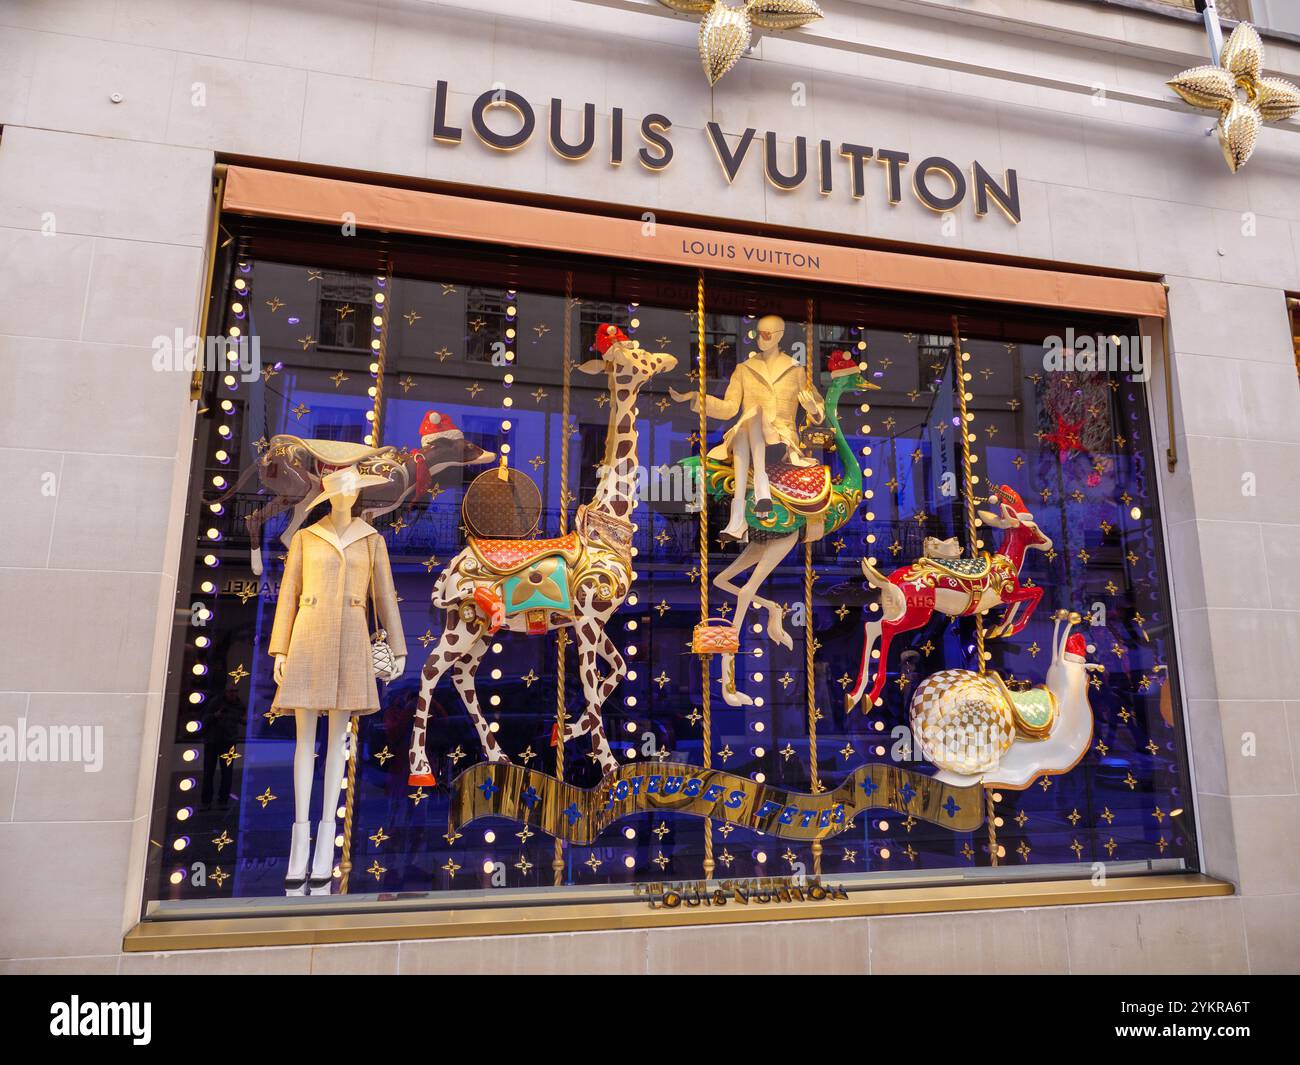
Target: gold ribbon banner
[[580, 815]]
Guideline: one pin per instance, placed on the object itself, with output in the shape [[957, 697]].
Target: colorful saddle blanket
[[507, 556], [801, 489]]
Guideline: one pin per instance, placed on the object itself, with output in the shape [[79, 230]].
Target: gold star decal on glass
[[443, 353], [662, 679], [539, 395], [726, 754], [306, 341], [451, 868], [451, 836], [300, 410], [457, 755], [660, 861], [530, 678], [474, 388], [266, 798], [786, 752], [376, 870], [523, 865], [222, 841], [593, 863], [847, 751], [475, 324], [407, 382], [219, 875], [238, 673], [418, 796], [726, 857], [230, 756], [412, 317]]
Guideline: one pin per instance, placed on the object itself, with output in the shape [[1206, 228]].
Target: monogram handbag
[[385, 662], [502, 504], [709, 638]]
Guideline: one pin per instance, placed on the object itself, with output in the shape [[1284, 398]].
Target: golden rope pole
[[810, 684], [345, 862], [704, 560], [562, 636], [960, 378]]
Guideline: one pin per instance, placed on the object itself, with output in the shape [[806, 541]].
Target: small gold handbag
[[720, 639]]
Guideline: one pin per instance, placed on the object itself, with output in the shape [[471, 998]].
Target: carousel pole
[[810, 682], [960, 379], [562, 636], [705, 672], [376, 428]]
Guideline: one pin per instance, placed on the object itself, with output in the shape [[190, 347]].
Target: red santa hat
[[1008, 495], [1076, 648], [842, 363], [607, 335], [438, 426]]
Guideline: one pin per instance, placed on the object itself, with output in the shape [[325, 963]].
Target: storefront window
[[1032, 762]]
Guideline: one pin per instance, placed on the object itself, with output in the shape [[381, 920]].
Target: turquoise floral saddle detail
[[541, 585]]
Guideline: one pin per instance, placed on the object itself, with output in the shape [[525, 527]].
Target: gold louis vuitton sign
[[580, 815], [506, 121]]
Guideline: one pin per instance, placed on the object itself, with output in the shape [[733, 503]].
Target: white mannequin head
[[769, 331]]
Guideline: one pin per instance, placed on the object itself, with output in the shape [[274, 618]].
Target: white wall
[[347, 83]]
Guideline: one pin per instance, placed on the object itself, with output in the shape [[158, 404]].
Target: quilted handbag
[[385, 662], [721, 638]]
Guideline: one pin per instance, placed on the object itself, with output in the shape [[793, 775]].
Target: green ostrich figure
[[807, 503]]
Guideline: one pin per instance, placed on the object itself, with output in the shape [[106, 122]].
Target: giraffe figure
[[590, 569]]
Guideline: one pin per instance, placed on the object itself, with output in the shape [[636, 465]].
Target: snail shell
[[961, 721]]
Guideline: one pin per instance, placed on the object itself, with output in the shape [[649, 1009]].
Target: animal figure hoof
[[422, 780], [255, 562], [736, 697]]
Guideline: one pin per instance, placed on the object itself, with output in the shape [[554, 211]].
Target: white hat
[[341, 482]]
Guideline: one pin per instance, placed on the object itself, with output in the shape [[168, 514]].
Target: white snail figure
[[976, 730]]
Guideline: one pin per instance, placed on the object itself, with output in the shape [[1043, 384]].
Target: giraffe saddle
[[505, 557]]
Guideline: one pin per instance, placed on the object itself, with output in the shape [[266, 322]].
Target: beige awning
[[275, 194]]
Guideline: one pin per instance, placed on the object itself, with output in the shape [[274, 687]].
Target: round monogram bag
[[502, 504]]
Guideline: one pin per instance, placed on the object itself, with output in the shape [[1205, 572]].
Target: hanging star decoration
[[1221, 88], [726, 32]]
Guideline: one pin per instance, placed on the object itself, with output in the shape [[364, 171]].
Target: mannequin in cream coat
[[321, 645], [766, 392]]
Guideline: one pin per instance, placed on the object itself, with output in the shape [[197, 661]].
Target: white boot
[[295, 876], [736, 528], [322, 862]]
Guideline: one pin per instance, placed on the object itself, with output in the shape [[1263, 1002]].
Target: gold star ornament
[[726, 32], [1235, 89]]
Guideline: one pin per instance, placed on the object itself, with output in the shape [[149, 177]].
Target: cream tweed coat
[[770, 389], [321, 619]]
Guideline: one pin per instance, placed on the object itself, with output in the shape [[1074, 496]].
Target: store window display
[[571, 504]]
